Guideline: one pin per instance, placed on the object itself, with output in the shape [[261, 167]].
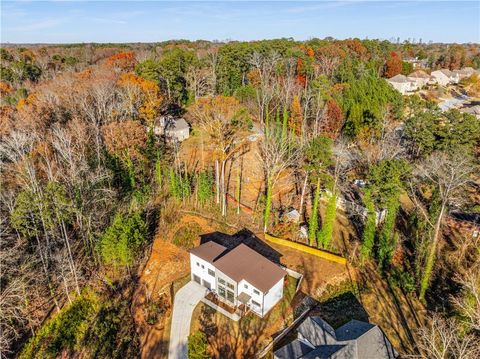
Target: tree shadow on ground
[[340, 310], [228, 339]]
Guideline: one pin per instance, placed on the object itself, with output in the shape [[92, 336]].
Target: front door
[[196, 278]]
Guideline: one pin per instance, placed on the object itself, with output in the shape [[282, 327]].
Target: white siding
[[200, 268], [273, 296], [255, 296], [440, 78]]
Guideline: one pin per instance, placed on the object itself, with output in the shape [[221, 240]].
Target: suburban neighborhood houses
[[420, 78]]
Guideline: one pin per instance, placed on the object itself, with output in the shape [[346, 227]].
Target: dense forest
[[86, 184]]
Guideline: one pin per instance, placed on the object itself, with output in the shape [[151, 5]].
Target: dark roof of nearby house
[[208, 251], [341, 351], [242, 262], [352, 330], [371, 342], [354, 340], [294, 350], [317, 331]]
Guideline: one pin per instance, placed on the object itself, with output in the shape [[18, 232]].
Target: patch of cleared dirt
[[166, 268]]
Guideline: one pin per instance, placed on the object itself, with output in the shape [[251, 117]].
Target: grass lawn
[[251, 333]]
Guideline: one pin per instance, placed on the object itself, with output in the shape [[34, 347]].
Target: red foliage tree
[[333, 121], [393, 65]]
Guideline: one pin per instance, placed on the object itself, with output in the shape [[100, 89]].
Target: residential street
[[185, 301]]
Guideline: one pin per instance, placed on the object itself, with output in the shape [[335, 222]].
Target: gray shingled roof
[[317, 331], [352, 330], [341, 351], [354, 340], [294, 350]]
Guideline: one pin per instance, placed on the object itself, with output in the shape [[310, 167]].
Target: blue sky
[[150, 21]]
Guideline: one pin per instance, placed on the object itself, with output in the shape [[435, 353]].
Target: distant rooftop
[[399, 78]]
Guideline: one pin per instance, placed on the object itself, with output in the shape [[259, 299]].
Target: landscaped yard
[[229, 339]]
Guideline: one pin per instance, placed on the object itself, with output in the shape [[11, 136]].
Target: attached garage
[[196, 278], [207, 284]]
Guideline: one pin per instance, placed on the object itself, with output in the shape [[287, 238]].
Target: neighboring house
[[174, 129], [240, 277], [419, 78], [417, 63], [444, 77], [402, 84], [472, 110], [465, 72], [354, 340]]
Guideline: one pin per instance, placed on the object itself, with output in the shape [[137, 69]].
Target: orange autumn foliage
[[122, 60], [296, 117], [5, 88], [29, 101], [150, 94], [253, 77], [125, 139]]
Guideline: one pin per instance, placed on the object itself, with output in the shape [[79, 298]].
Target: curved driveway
[[185, 301]]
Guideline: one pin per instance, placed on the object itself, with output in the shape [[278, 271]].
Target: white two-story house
[[239, 277]]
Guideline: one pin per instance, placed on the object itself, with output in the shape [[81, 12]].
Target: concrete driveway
[[185, 301]]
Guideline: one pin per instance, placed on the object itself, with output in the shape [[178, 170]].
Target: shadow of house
[[246, 237], [341, 309]]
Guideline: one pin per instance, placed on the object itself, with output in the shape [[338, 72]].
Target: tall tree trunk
[[313, 226], [47, 276], [268, 204], [238, 190], [223, 190], [70, 257], [304, 190], [432, 254], [217, 181]]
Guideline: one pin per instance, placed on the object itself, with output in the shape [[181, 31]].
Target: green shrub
[[66, 330], [185, 237], [122, 240], [197, 346]]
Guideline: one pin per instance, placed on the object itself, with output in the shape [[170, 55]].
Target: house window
[[256, 292], [230, 296], [198, 264], [221, 292], [230, 285], [221, 281], [245, 286], [255, 303], [211, 272], [203, 267]]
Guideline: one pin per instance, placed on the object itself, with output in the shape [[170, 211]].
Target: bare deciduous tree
[[441, 340], [446, 174]]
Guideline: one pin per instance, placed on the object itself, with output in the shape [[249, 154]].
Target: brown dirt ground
[[166, 265], [317, 272]]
